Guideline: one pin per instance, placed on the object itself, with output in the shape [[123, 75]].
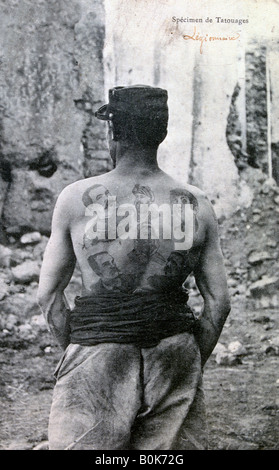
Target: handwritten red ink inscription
[[196, 36]]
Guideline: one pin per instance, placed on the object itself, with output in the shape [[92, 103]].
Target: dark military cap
[[138, 101]]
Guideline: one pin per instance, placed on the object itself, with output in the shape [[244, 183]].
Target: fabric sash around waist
[[142, 319]]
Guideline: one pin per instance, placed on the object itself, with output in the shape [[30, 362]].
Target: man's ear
[[111, 128]]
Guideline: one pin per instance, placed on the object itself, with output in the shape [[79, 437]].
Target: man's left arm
[[211, 280], [56, 271]]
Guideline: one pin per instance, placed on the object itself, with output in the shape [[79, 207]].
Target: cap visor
[[102, 113]]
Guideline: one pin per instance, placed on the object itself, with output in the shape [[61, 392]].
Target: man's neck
[[137, 160]]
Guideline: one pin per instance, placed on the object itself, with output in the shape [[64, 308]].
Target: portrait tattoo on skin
[[182, 196], [144, 249], [177, 266], [174, 272], [96, 195], [143, 195], [110, 277]]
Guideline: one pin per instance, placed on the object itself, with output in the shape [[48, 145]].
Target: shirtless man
[[131, 373]]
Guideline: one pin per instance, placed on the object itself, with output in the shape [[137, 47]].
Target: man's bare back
[[108, 261]]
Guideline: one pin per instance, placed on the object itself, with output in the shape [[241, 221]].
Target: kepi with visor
[[138, 101]]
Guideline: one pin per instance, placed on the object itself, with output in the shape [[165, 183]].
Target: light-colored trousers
[[121, 396]]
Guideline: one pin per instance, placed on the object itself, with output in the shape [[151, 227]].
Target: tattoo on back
[[161, 236]]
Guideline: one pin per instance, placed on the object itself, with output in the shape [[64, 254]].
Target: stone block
[[265, 286], [258, 257], [26, 272], [31, 199]]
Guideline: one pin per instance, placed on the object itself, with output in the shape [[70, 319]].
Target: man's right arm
[[57, 269]]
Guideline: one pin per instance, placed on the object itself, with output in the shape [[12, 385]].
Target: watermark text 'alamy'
[[126, 221]]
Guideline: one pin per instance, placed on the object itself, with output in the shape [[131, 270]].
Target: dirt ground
[[242, 399]]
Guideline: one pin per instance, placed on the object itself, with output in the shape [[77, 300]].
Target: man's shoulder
[[73, 192], [69, 203], [200, 195], [82, 184]]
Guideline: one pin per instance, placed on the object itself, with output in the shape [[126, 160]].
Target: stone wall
[[256, 105], [51, 80]]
